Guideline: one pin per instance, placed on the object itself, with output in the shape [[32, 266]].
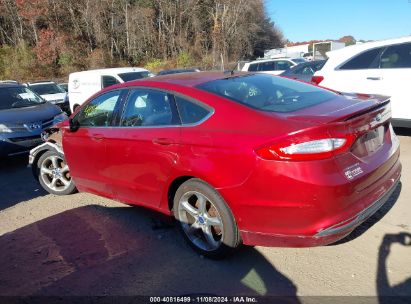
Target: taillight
[[312, 149], [317, 79]]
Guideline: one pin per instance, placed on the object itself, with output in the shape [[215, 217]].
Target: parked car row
[[23, 117], [25, 109]]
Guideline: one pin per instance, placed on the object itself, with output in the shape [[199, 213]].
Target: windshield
[[18, 97], [134, 75], [45, 89], [268, 93]]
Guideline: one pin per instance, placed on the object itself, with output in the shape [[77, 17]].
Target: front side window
[[190, 112], [109, 81], [148, 108], [283, 65], [253, 67], [99, 112], [266, 66], [366, 60], [268, 93], [396, 56]]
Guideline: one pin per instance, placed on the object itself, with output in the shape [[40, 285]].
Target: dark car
[[23, 116], [242, 158], [304, 71], [64, 86], [177, 71], [51, 92]]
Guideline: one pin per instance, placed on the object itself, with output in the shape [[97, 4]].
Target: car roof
[[40, 82], [10, 85], [357, 48], [185, 79], [272, 59], [112, 71]]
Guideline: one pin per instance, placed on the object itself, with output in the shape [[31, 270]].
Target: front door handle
[[163, 141], [374, 78]]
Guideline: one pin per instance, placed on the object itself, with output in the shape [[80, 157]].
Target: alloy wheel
[[55, 173], [201, 221]]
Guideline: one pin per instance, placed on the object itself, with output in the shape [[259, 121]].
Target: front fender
[[36, 153]]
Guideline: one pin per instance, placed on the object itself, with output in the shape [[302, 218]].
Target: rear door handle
[[97, 137], [374, 78], [163, 141]]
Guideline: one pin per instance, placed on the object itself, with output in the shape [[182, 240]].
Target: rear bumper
[[330, 234]]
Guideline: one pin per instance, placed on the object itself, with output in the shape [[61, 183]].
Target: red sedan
[[236, 158]]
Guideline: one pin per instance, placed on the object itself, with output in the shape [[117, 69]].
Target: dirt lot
[[87, 245]]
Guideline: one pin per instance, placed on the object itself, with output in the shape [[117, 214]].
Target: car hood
[[340, 108], [38, 112]]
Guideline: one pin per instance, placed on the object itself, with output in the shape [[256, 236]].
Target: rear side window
[[268, 93], [149, 108], [396, 56], [365, 60], [190, 112]]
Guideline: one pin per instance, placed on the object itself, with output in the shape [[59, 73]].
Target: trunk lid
[[340, 108], [367, 117]]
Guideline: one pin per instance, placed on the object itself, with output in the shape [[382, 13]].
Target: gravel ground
[[87, 245]]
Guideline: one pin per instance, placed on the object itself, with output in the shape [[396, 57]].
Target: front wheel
[[205, 219], [54, 175]]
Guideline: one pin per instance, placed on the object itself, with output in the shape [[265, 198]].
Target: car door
[[144, 150], [85, 149], [393, 77], [359, 74]]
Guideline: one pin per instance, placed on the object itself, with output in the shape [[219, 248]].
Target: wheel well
[[36, 159], [173, 189]]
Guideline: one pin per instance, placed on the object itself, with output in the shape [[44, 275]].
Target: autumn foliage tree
[[64, 36]]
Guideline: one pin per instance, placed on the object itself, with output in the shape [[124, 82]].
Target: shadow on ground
[[95, 250], [17, 183], [388, 293]]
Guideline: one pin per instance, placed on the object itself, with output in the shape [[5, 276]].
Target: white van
[[83, 85]]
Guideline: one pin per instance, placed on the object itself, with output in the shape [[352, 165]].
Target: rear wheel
[[54, 175], [205, 219]]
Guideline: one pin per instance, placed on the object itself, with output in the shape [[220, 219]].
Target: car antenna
[[233, 69]]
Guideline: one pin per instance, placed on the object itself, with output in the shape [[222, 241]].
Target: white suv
[[272, 66], [380, 67]]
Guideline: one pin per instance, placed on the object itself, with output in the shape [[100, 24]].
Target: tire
[[53, 174], [205, 220]]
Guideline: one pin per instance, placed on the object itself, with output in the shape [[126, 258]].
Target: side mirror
[[74, 125]]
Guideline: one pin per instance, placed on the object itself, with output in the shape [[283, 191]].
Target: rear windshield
[[268, 93], [133, 75], [45, 89], [18, 97]]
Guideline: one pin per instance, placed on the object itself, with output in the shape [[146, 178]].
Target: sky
[[302, 20]]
